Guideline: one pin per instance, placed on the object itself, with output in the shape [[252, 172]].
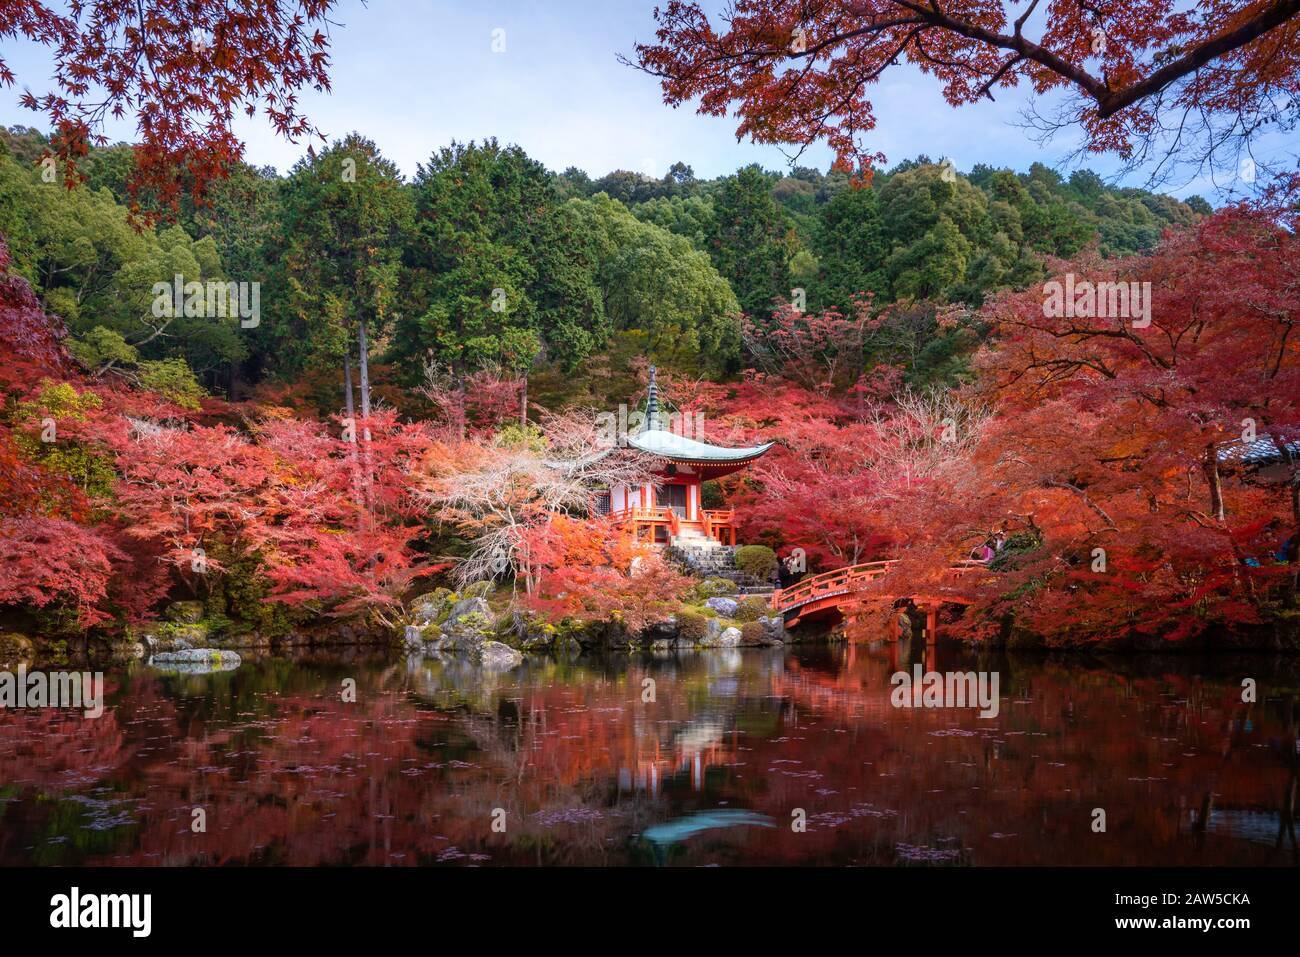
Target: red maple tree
[[794, 70], [182, 68]]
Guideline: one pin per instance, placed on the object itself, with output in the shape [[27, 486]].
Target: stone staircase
[[705, 557]]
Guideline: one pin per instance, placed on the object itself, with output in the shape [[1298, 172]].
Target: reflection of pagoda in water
[[703, 742], [409, 772]]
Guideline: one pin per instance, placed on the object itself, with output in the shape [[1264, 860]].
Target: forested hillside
[[573, 270]]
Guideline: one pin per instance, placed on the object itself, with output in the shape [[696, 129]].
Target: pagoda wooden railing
[[637, 517], [636, 513], [714, 520], [717, 519]]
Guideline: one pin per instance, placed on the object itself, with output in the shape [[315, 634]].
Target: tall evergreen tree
[[498, 273], [344, 213], [750, 241], [851, 249]]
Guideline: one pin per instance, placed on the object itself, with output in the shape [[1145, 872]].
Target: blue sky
[[415, 74]]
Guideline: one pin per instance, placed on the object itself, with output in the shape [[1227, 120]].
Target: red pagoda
[[669, 510]]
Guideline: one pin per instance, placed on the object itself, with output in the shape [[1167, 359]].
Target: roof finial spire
[[652, 403]]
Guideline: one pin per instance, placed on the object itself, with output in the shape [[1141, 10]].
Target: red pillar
[[931, 624]]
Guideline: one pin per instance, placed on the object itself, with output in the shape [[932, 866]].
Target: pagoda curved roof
[[670, 445]]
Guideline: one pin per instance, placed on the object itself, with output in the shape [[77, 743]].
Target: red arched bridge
[[830, 593]]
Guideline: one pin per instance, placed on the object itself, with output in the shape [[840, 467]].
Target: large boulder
[[467, 633], [428, 608], [774, 632], [719, 637], [464, 608], [468, 625], [726, 607], [479, 589], [532, 632], [196, 661], [730, 638], [498, 657], [413, 640]]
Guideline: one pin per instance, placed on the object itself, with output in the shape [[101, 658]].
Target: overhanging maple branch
[[1109, 102]]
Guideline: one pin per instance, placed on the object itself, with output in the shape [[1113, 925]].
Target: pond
[[759, 756]]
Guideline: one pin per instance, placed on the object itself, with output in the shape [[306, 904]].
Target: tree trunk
[[367, 476], [1211, 469], [458, 377], [523, 403], [347, 393], [350, 405], [365, 369]]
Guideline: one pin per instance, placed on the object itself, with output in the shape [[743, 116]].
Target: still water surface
[[734, 750]]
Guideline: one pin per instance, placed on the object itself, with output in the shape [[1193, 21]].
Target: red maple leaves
[[183, 69], [330, 522]]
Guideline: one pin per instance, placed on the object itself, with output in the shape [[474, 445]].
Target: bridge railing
[[841, 579], [847, 579]]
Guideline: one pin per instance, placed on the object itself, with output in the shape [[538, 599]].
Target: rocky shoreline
[[444, 623], [440, 623]]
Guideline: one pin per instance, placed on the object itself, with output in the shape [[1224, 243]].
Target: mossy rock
[[14, 648], [715, 588], [186, 612], [527, 631], [536, 642], [432, 607], [751, 609], [474, 621], [480, 589], [576, 629], [469, 629], [194, 633]]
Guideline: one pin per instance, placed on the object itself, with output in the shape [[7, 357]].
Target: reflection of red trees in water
[[411, 773]]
